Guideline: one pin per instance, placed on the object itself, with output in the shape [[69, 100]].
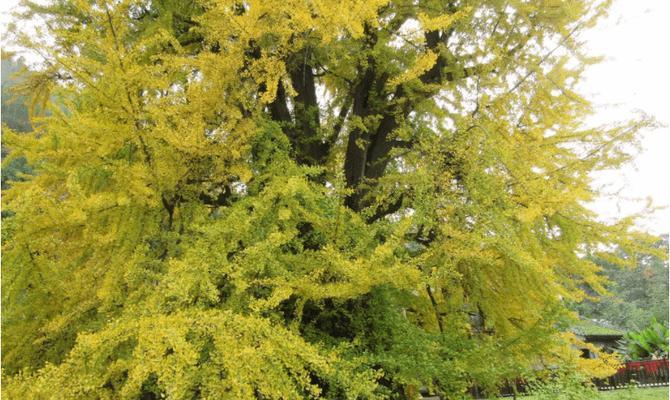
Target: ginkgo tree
[[302, 199]]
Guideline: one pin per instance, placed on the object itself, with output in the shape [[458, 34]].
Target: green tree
[[295, 199], [635, 295], [14, 114], [14, 109]]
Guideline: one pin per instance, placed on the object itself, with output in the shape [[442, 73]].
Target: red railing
[[638, 373], [645, 373]]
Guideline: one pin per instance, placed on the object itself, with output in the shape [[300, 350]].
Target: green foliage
[[563, 384], [636, 295], [296, 199], [14, 115], [209, 354], [648, 342], [14, 110]]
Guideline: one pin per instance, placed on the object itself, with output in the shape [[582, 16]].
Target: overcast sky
[[635, 75]]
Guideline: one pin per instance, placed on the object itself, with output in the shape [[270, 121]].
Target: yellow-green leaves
[[421, 65], [302, 199], [441, 21], [213, 354]]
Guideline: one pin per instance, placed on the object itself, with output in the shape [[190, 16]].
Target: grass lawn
[[657, 393]]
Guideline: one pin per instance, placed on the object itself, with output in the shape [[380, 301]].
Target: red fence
[[638, 373]]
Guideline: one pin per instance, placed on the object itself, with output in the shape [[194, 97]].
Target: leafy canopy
[[302, 199]]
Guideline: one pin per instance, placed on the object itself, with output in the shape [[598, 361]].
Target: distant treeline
[[14, 115], [638, 295]]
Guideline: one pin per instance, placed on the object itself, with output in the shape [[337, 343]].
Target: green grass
[[657, 393]]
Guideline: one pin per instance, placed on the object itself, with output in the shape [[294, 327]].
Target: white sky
[[635, 75]]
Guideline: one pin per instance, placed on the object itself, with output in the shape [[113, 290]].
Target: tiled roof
[[589, 327]]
